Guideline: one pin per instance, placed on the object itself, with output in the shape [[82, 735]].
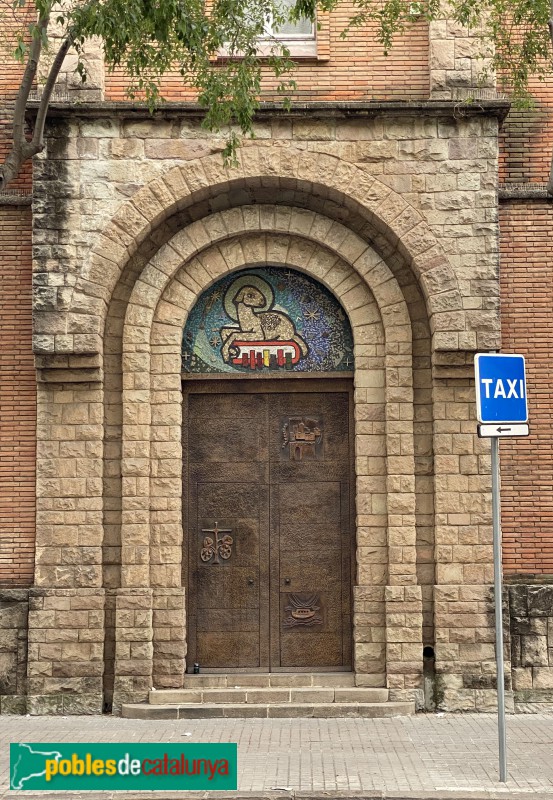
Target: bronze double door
[[268, 524]]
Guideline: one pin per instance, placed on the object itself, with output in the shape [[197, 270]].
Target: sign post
[[502, 410]]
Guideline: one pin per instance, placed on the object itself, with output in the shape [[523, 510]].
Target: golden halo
[[248, 280]]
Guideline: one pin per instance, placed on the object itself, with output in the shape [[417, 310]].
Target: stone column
[[403, 597], [133, 646], [14, 612], [169, 639], [66, 651], [404, 643], [66, 606]]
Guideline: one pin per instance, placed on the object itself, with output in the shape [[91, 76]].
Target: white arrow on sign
[[485, 431]]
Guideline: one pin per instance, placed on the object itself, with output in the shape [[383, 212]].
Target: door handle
[[251, 581], [287, 581]]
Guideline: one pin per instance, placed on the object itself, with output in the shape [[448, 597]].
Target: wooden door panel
[[233, 649], [273, 470], [239, 500], [232, 620], [314, 536], [228, 496], [305, 502], [226, 440], [300, 649], [256, 472], [310, 528], [309, 472], [230, 405], [227, 588]]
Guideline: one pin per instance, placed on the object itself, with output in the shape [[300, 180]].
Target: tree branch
[[37, 141], [22, 150], [27, 81], [16, 156]]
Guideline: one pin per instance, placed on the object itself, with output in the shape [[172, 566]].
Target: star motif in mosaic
[[312, 315], [214, 341]]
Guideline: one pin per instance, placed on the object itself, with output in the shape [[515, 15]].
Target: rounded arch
[[151, 466], [377, 212]]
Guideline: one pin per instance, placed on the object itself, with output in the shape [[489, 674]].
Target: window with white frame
[[302, 29], [299, 37]]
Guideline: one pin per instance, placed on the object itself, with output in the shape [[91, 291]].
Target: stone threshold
[[285, 710]]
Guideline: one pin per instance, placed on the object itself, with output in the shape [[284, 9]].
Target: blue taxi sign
[[500, 388]]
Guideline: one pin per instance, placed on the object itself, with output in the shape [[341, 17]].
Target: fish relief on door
[[267, 320]]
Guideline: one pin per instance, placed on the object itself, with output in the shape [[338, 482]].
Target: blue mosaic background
[[316, 314]]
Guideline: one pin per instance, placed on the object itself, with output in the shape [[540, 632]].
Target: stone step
[[268, 679], [249, 695], [263, 710]]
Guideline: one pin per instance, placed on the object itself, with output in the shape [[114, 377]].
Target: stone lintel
[[498, 107]]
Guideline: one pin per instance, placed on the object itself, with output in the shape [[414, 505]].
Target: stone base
[[414, 695], [483, 700], [13, 704], [134, 650], [63, 704], [14, 611]]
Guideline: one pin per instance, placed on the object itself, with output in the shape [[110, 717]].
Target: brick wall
[[526, 139], [527, 322], [17, 374], [10, 75], [356, 69], [17, 400]]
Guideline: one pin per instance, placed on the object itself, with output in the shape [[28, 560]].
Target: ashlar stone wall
[[14, 612], [394, 209], [531, 633]]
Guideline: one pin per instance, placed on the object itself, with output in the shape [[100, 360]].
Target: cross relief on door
[[268, 527]]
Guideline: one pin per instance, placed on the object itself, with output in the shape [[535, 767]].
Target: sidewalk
[[426, 756]]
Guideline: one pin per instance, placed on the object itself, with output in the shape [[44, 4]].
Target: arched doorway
[[268, 490]]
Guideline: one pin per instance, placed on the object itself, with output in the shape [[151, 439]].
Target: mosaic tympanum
[[267, 319]]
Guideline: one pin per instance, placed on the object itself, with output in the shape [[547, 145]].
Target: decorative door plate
[[216, 545], [302, 438], [302, 609]]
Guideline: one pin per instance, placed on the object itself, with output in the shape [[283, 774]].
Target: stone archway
[[107, 332], [155, 316]]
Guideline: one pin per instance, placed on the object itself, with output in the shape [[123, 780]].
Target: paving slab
[[424, 757]]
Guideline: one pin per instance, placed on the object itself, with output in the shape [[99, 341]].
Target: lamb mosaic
[[267, 319]]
